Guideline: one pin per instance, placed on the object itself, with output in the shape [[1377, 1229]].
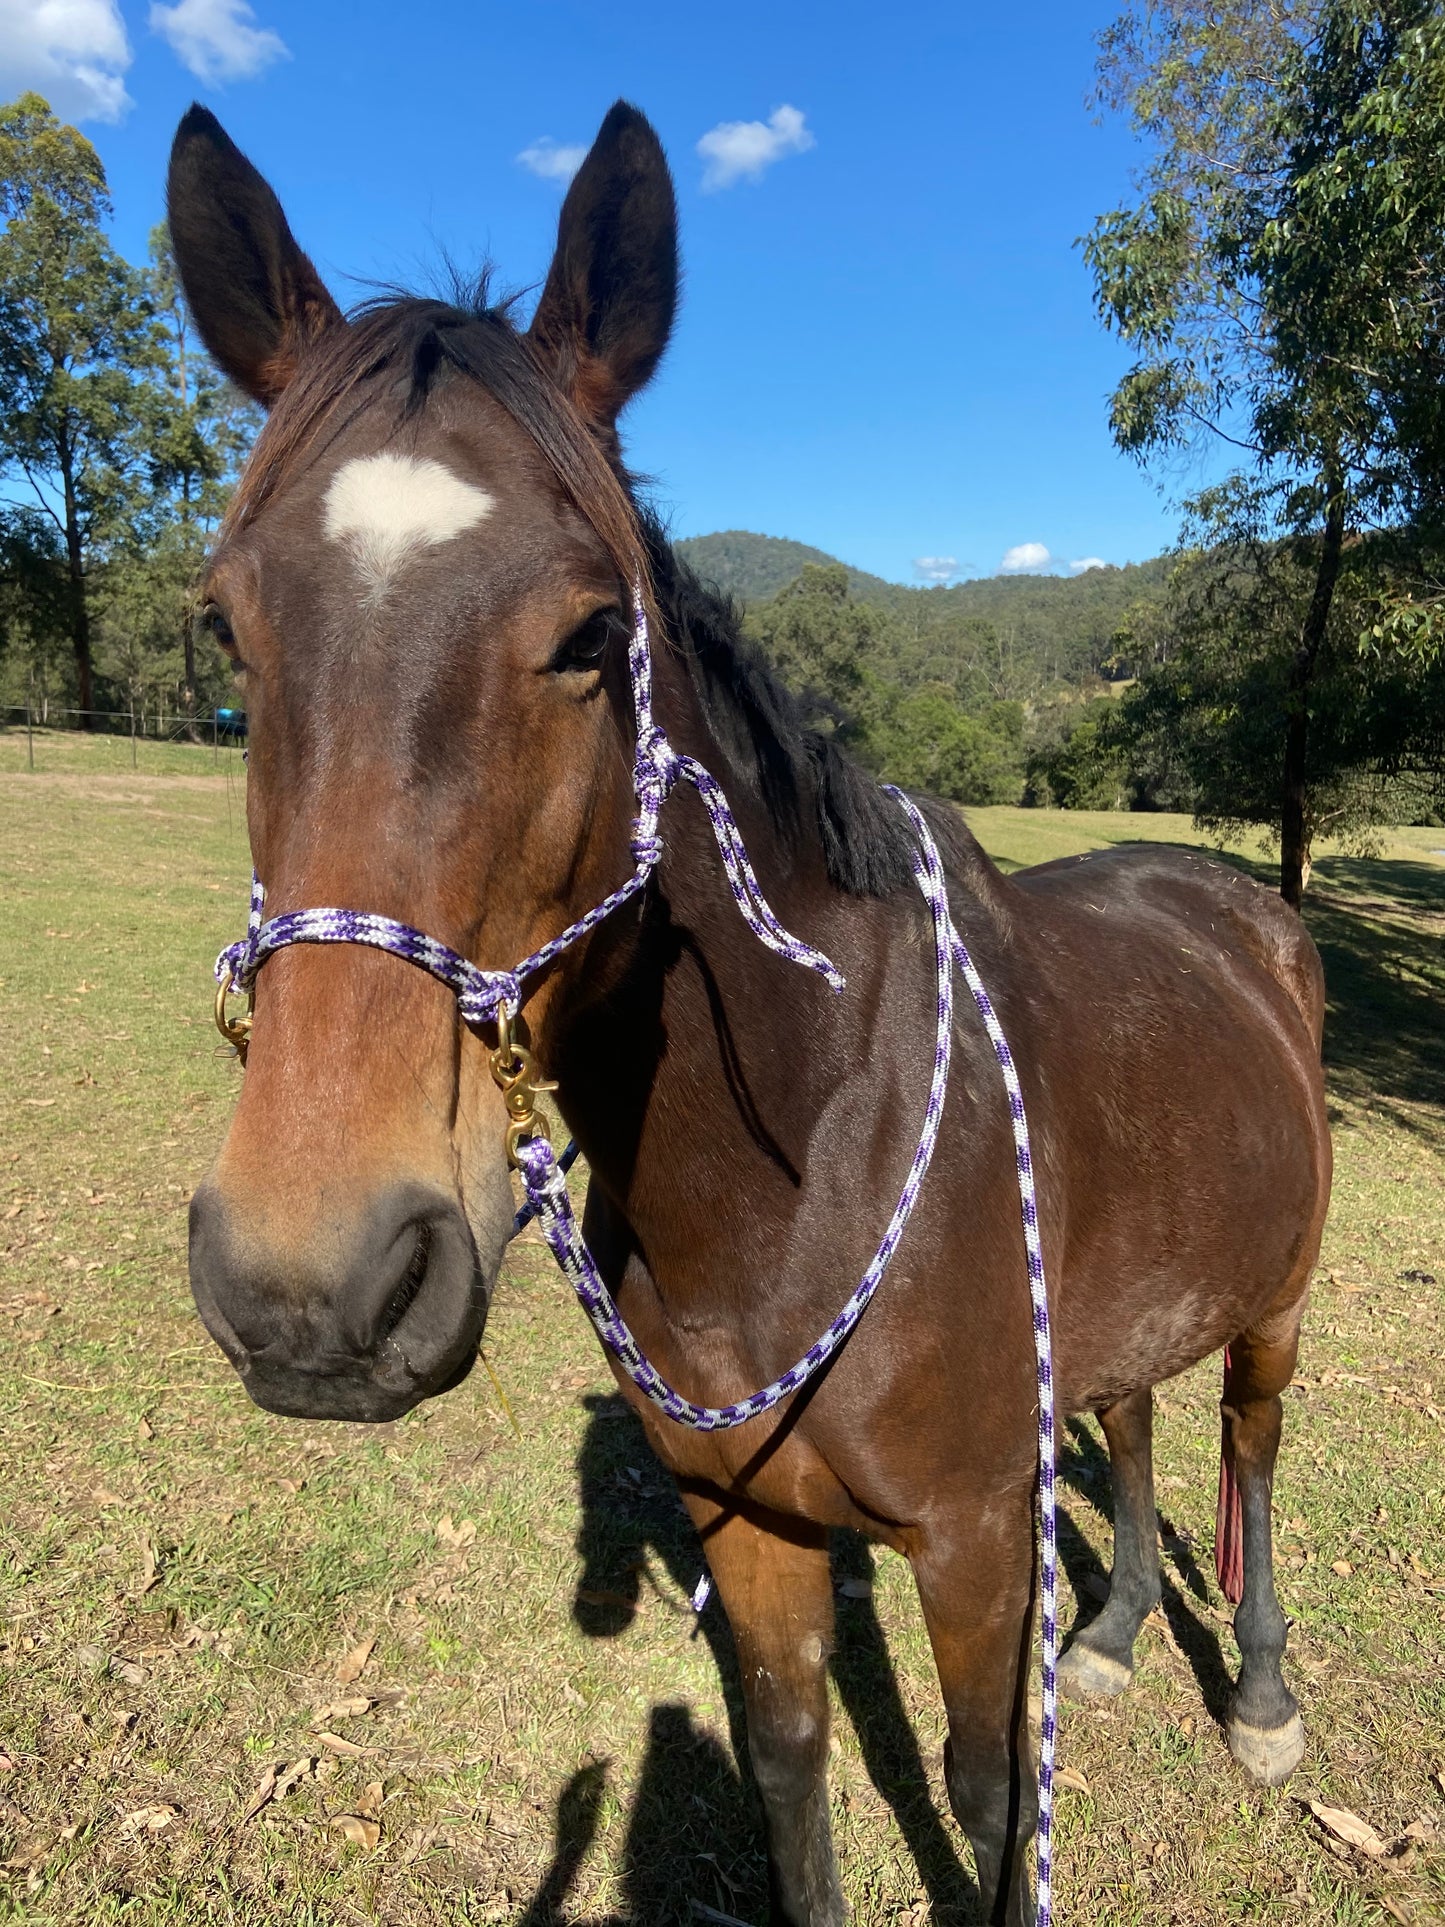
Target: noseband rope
[[496, 996]]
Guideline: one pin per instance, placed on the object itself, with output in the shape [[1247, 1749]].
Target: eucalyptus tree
[[1279, 278], [78, 344]]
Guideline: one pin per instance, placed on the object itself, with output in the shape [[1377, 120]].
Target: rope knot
[[483, 995], [236, 965], [646, 845], [657, 761]]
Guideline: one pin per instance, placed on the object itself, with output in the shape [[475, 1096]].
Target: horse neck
[[695, 1058]]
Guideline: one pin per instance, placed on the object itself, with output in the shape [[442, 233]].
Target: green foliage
[[78, 341], [1001, 637], [1073, 764], [834, 653], [115, 426], [1282, 281], [1210, 712]]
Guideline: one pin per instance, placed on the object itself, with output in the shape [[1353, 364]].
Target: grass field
[[463, 1662]]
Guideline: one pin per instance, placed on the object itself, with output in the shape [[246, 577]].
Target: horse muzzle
[[362, 1320]]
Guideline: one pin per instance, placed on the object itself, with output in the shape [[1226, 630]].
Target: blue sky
[[886, 345]]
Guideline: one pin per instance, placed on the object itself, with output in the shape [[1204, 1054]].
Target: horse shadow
[[1083, 1466], [694, 1846]]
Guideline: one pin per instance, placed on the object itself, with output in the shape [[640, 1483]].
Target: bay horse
[[424, 583]]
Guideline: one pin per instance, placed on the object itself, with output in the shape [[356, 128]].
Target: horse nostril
[[403, 1298]]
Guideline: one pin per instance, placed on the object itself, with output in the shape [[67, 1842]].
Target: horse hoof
[[1085, 1673], [1268, 1754]]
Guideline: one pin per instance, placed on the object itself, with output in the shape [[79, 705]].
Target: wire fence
[[215, 728]]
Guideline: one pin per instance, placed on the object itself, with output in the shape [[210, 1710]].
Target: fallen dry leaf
[[334, 1743], [372, 1800], [146, 1820], [1342, 1567], [1348, 1827], [8, 1762], [295, 1774], [591, 1596], [354, 1664], [455, 1534], [1071, 1776], [344, 1709], [149, 1578], [264, 1794], [145, 1428], [360, 1831]]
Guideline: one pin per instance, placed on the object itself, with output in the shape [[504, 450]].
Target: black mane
[[867, 845], [412, 342]]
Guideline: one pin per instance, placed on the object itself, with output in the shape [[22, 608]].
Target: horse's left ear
[[606, 311]]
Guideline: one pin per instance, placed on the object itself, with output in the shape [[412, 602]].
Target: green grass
[[180, 1575]]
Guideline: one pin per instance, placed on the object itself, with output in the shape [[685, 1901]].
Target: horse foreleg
[[773, 1578], [1266, 1735], [1100, 1659], [976, 1584]]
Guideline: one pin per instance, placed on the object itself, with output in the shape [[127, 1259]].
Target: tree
[[202, 433], [1280, 279], [822, 644], [78, 340], [834, 654], [33, 599]]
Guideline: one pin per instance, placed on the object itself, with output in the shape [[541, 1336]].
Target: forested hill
[[1048, 629]]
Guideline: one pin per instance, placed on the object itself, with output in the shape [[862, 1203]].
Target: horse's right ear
[[257, 300], [607, 308]]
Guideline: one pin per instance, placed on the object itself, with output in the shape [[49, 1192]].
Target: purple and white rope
[[547, 1191], [544, 1178], [482, 994], [1043, 1355]]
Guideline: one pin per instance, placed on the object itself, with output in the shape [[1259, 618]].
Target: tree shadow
[[696, 1828], [1380, 927]]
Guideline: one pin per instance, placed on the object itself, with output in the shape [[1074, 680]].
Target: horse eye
[[588, 644], [212, 622]]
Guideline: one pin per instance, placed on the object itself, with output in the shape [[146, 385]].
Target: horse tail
[[1228, 1516]]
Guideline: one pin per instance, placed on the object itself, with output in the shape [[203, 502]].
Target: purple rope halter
[[484, 995]]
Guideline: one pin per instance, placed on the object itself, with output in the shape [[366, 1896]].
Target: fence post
[[132, 735], [29, 737], [215, 736]]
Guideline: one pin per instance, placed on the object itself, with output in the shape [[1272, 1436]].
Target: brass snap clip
[[514, 1071], [235, 1030]]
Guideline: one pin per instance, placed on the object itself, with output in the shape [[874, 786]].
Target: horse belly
[[1195, 1209]]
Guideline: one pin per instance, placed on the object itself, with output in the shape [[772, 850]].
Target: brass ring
[[235, 1030]]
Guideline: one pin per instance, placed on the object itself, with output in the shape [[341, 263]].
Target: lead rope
[[543, 1176], [496, 995]]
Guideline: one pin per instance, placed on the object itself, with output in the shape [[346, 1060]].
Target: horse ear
[[606, 311], [257, 300]]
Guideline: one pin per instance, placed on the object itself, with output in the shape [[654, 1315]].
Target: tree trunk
[[188, 688], [79, 609], [1294, 854]]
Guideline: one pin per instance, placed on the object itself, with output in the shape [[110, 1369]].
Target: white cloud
[[552, 160], [740, 150], [217, 39], [72, 51], [1088, 562], [1026, 558], [936, 568]]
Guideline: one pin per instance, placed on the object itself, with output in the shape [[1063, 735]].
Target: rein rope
[[496, 996]]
